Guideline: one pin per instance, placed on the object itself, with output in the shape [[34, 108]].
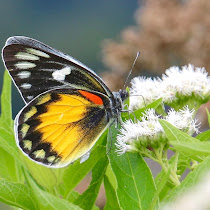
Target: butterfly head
[[123, 94], [120, 97]]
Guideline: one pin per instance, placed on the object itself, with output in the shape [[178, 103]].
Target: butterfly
[[68, 106]]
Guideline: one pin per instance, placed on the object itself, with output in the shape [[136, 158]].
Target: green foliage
[[186, 144], [191, 180], [135, 185], [17, 194], [128, 181]]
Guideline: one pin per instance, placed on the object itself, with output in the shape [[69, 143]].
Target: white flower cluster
[[175, 82], [150, 130], [132, 133], [183, 120], [143, 91]]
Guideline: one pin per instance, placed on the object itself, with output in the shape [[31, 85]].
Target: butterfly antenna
[[137, 55]]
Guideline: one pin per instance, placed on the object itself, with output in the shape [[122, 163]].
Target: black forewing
[[36, 68]]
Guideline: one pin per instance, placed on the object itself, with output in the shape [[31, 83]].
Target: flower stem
[[160, 156], [165, 166]]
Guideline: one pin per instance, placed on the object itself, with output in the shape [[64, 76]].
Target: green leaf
[[6, 129], [6, 108], [183, 163], [166, 188], [174, 134], [155, 104], [139, 112], [9, 155], [47, 201], [111, 197], [204, 136], [185, 143], [161, 185], [7, 140], [135, 184], [48, 178], [191, 180], [95, 208], [76, 172], [8, 166], [16, 194], [73, 196], [110, 175], [88, 198], [208, 114]]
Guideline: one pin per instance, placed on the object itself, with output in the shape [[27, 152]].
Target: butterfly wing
[[60, 126], [36, 68]]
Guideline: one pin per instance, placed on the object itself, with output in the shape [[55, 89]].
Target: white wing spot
[[30, 97], [24, 74], [85, 157], [39, 153], [25, 65], [37, 52], [51, 159], [26, 56], [61, 74], [26, 86], [27, 144]]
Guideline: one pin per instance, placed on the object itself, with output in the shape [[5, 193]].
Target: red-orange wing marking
[[92, 97]]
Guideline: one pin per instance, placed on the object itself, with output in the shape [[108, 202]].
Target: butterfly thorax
[[117, 104]]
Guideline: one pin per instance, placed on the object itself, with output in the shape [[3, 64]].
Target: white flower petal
[[143, 92], [149, 129], [174, 83]]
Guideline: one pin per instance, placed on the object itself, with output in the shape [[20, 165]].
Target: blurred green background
[[75, 27]]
